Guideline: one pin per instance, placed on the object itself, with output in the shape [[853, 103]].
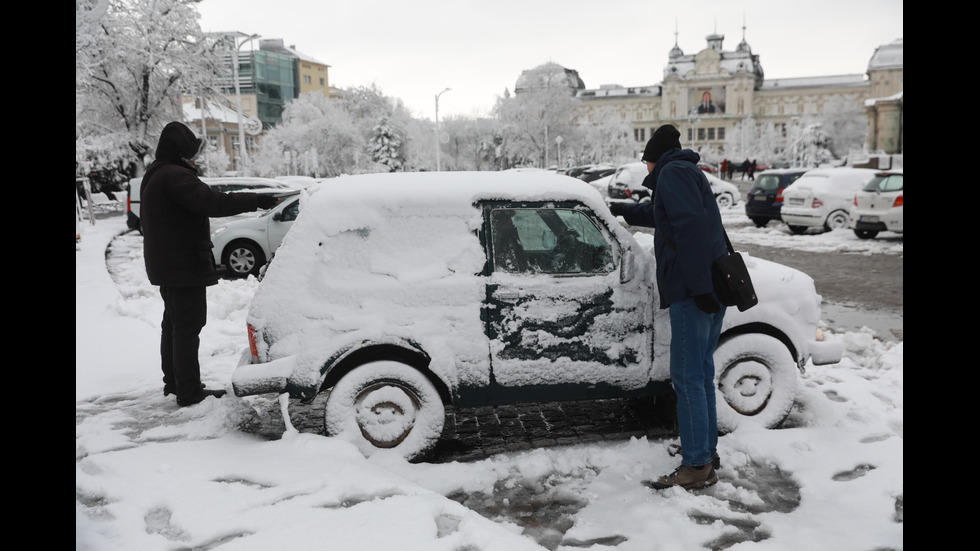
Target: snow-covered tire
[[837, 220], [386, 405], [724, 200], [755, 381]]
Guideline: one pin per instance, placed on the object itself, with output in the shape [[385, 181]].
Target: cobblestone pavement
[[476, 433]]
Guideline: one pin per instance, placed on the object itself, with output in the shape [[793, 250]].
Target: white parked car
[[627, 183], [880, 205], [822, 198], [424, 291], [223, 184], [243, 246]]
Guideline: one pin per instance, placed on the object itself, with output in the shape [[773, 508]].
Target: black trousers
[[185, 311]]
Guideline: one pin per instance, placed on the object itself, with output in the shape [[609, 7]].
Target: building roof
[[549, 74], [278, 46], [806, 82], [888, 56]]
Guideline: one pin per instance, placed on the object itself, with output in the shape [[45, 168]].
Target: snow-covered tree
[[810, 145], [312, 122], [386, 145], [531, 120], [133, 58]]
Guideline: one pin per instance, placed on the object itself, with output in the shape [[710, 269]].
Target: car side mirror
[[277, 216], [627, 265]]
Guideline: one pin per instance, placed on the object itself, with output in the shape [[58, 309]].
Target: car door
[[280, 222], [561, 323]]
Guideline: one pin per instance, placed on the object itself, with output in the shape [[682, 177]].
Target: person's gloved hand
[[616, 208], [707, 303], [266, 202]]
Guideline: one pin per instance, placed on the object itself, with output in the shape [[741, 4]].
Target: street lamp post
[[438, 164], [242, 156]]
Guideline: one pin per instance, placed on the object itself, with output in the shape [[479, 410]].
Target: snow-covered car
[[822, 198], [243, 246], [880, 205], [426, 291], [627, 183], [224, 184], [765, 197]]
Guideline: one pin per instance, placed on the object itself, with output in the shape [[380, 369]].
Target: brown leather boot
[[687, 477]]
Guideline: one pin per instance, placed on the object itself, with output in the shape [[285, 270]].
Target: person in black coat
[[175, 209]]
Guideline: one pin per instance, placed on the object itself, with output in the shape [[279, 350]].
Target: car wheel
[[798, 230], [755, 381], [243, 258], [725, 200], [865, 234], [760, 222], [386, 405], [836, 221]]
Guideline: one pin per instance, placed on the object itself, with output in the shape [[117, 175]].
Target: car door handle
[[508, 295]]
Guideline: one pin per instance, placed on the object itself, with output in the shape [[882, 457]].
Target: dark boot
[[687, 477], [169, 389], [199, 397]]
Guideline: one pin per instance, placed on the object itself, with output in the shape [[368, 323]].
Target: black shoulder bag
[[731, 280]]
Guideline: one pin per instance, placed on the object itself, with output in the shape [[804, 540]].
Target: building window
[[323, 82], [701, 134], [307, 79], [640, 134], [711, 133], [721, 133]]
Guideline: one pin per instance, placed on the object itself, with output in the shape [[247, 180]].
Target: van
[[426, 291]]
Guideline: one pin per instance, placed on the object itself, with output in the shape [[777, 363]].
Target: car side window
[[893, 182], [548, 240], [291, 212]]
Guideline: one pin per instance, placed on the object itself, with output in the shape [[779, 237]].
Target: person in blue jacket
[[689, 237]]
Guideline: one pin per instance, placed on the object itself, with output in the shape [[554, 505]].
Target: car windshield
[[886, 182]]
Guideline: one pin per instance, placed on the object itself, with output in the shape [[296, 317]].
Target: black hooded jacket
[[174, 213]]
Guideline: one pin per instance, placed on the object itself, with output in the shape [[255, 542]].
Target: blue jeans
[[694, 337]]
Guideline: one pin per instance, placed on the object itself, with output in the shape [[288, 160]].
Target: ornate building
[[706, 94]]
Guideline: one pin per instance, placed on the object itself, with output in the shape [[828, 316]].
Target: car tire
[[243, 258], [837, 220], [386, 405], [865, 234], [798, 230], [760, 222], [725, 200], [755, 382]]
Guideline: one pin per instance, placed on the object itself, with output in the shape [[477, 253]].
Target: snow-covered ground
[[150, 475]]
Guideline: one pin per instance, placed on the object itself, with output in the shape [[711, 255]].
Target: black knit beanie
[[665, 138]]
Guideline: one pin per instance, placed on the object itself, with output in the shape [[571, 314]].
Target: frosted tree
[[530, 122], [810, 146], [133, 59], [386, 145], [312, 122]]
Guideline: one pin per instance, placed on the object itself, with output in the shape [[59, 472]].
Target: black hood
[[177, 144]]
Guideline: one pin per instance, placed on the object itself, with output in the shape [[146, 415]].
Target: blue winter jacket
[[689, 236]]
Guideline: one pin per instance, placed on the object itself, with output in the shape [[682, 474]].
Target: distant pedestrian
[[746, 165], [752, 168], [175, 209], [731, 169], [724, 168]]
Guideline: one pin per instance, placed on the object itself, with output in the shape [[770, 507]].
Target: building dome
[[549, 75], [888, 56]]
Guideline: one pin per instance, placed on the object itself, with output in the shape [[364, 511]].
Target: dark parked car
[[765, 198], [428, 290], [596, 172]]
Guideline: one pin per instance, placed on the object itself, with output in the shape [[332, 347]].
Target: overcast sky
[[414, 49]]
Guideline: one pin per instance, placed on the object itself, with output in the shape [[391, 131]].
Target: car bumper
[[877, 222], [250, 378], [801, 217], [826, 352]]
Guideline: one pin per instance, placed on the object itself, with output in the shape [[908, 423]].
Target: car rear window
[[886, 182], [767, 183]]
